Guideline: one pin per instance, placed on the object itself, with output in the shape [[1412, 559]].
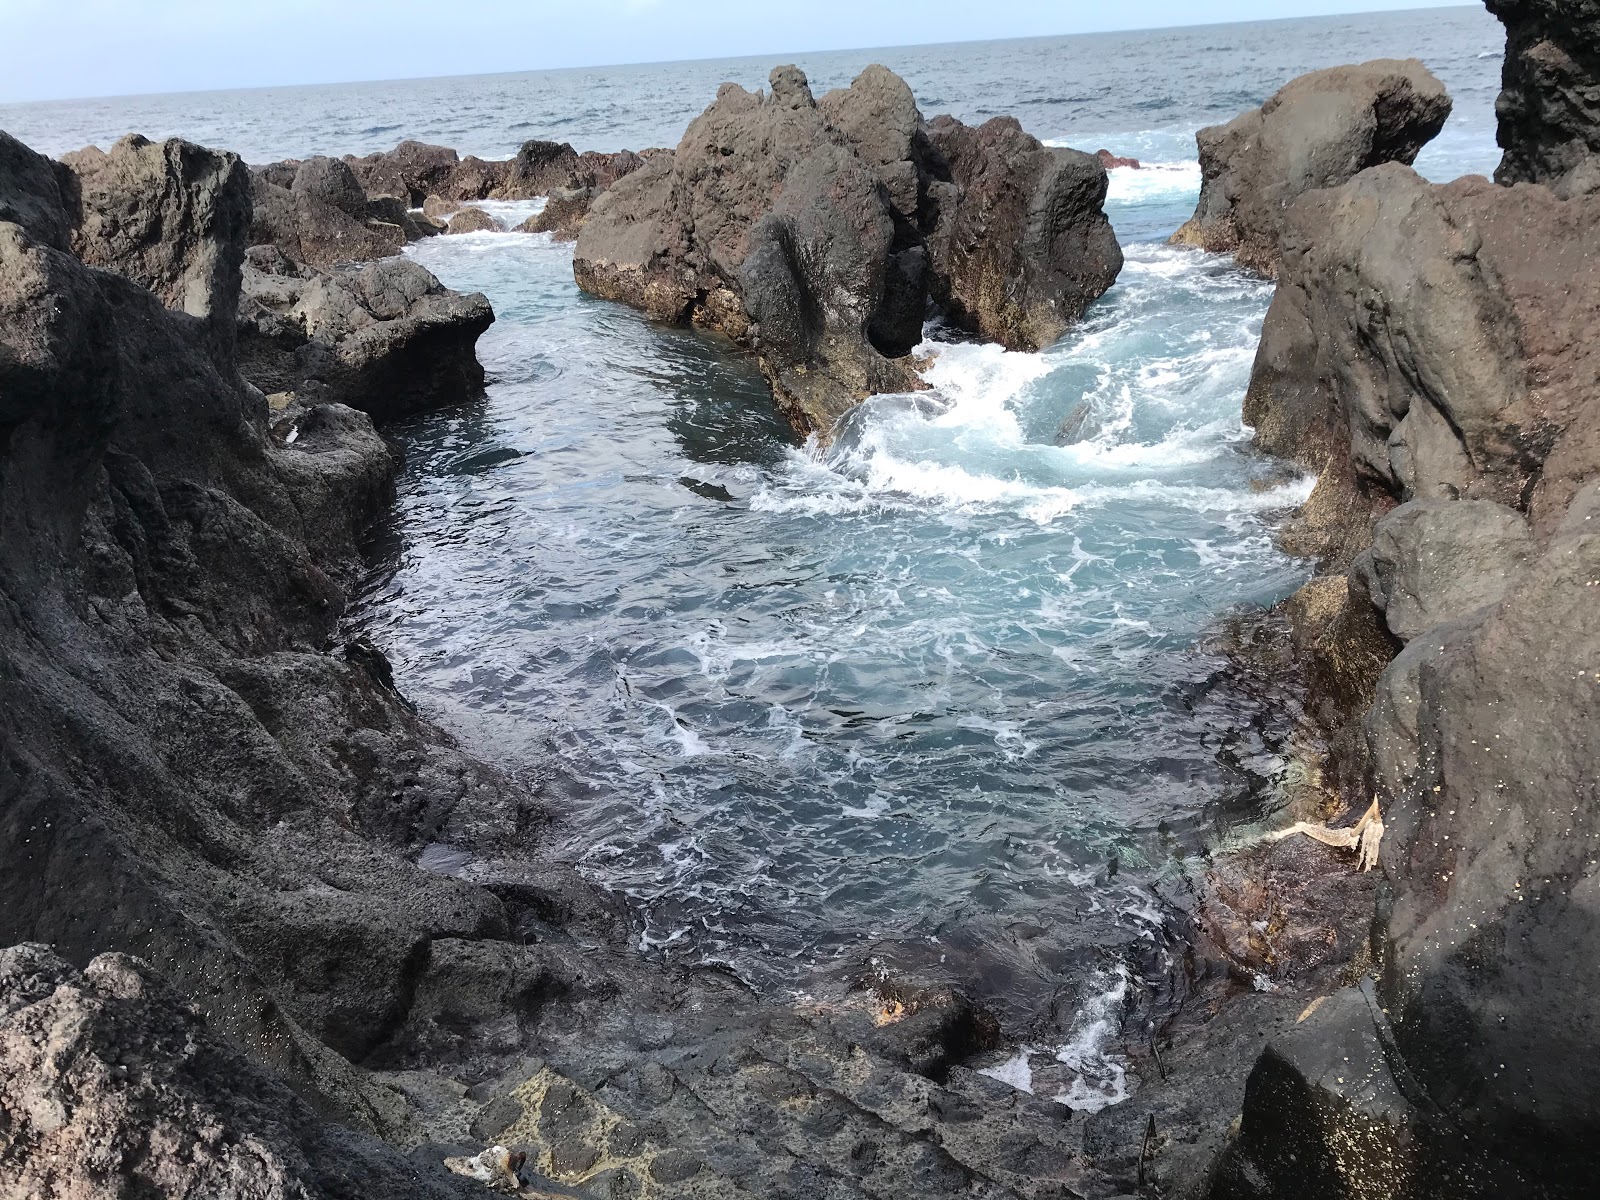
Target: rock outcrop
[[1549, 105], [818, 233], [323, 217], [414, 171], [1429, 352], [1319, 131], [111, 1086], [1028, 249], [386, 338]]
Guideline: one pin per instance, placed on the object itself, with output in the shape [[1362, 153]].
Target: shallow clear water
[[934, 693]]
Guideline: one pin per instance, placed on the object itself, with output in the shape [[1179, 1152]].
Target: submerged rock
[[1319, 131], [817, 233], [386, 338], [1549, 104]]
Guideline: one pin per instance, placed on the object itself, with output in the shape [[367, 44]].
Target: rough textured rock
[[1434, 561], [1029, 248], [818, 232], [32, 195], [1549, 105], [170, 216], [386, 338], [472, 220], [333, 183], [317, 233], [563, 215], [110, 1086], [412, 170], [1465, 368], [1431, 347], [1319, 131]]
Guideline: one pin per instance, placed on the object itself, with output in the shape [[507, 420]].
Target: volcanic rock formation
[[1429, 352], [818, 232], [1318, 131], [1549, 105]]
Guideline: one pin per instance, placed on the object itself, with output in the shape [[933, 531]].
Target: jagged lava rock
[[816, 233], [1318, 131], [1549, 104], [169, 216], [386, 338], [1029, 248], [111, 1086]]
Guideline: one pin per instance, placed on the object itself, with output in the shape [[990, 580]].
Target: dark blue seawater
[[941, 679]]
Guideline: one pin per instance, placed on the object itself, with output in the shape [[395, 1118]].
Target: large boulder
[[1434, 561], [412, 170], [1549, 105], [312, 231], [34, 192], [1029, 248], [386, 338], [171, 217], [820, 233], [331, 182], [1318, 131], [111, 1086]]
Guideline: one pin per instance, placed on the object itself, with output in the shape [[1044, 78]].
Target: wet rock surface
[[1319, 131], [818, 233], [1549, 105]]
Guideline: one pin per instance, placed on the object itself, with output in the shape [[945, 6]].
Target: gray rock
[[1434, 561], [472, 220], [171, 217], [1318, 131], [1424, 343], [386, 338], [1549, 104], [31, 193], [333, 183], [1029, 248], [314, 232], [412, 170]]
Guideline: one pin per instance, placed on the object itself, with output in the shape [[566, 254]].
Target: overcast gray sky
[[52, 49]]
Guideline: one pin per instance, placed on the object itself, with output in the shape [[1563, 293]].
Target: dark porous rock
[[538, 168], [476, 179], [820, 233], [438, 208], [1549, 105], [110, 1086], [31, 193], [1030, 247], [170, 216], [1319, 131], [1433, 561], [472, 220], [1464, 373], [333, 183], [412, 170], [314, 232], [386, 338]]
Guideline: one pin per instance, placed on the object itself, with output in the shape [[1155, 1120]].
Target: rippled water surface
[[937, 687]]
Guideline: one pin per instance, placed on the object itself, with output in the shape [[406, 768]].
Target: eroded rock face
[[111, 1086], [1319, 131], [1549, 105], [1429, 350], [387, 338], [1028, 249], [185, 746], [170, 216], [819, 232]]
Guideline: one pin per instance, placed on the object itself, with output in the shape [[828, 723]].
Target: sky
[[61, 49]]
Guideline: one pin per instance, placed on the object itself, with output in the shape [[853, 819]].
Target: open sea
[[936, 696]]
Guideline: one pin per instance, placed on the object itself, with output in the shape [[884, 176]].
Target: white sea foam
[[1152, 181], [1101, 1075], [1015, 1071]]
